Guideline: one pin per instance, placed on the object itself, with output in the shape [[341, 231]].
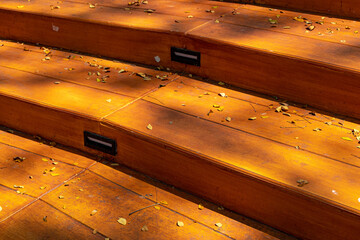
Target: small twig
[[143, 208], [291, 127], [252, 107], [355, 156]]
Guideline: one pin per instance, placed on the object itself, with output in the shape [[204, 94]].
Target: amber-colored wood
[[29, 225], [33, 174], [44, 106], [12, 202], [293, 129], [233, 158], [112, 202], [116, 192], [187, 204], [128, 83], [346, 8], [230, 52]]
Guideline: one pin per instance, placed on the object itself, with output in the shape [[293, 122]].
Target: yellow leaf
[[54, 174], [157, 207], [264, 116], [20, 6], [122, 221], [252, 118], [228, 119], [149, 127], [347, 138], [44, 159], [93, 212], [92, 5], [220, 109], [180, 224], [218, 225], [42, 188], [216, 106], [61, 197], [190, 16], [201, 207]]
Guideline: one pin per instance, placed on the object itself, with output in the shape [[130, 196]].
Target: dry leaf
[[264, 116], [190, 16], [228, 119], [287, 114], [218, 225], [92, 5], [217, 21], [157, 207], [317, 129], [273, 21], [149, 10], [54, 174], [149, 127], [45, 219], [220, 109], [222, 94], [216, 106], [310, 28], [61, 197], [252, 118], [44, 159], [122, 221], [278, 109], [163, 202], [0, 208], [93, 212], [302, 182], [347, 138], [180, 224], [42, 188], [201, 207], [144, 228], [94, 231]]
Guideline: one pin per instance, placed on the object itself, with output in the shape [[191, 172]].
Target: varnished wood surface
[[187, 146], [113, 193], [238, 43]]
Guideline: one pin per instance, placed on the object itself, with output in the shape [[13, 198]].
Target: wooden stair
[[37, 212], [247, 46], [193, 135]]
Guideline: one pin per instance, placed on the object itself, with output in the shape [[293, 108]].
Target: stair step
[[238, 43], [250, 166]]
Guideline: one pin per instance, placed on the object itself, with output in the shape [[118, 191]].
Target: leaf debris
[[122, 221], [180, 224], [302, 182]]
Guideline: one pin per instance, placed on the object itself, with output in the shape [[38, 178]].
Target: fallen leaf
[[157, 207], [216, 106], [122, 221], [347, 138], [273, 21], [93, 212], [302, 182], [149, 10], [144, 228], [217, 21], [222, 94], [252, 118], [163, 202], [42, 188], [54, 174], [149, 127], [180, 224], [221, 83], [0, 208], [220, 208], [45, 219], [286, 27], [218, 225], [20, 6], [220, 109], [310, 28], [44, 159], [278, 109], [122, 71], [317, 129], [228, 119], [92, 5], [201, 207], [19, 159], [328, 123], [190, 16], [108, 100], [264, 116], [61, 197], [94, 231], [287, 114]]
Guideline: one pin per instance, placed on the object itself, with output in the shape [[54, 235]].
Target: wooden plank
[[302, 80], [29, 224], [347, 8], [44, 150], [112, 202], [11, 202], [111, 30], [195, 158], [44, 105], [33, 174], [128, 83], [325, 28], [233, 225], [291, 129]]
